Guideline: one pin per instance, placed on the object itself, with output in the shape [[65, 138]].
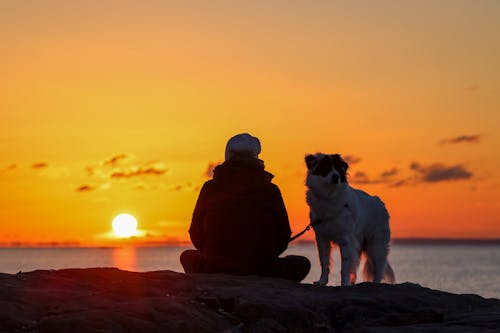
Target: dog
[[354, 220]]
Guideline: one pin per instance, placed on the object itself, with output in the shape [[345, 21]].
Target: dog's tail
[[368, 270]]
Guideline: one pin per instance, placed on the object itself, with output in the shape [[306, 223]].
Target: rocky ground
[[111, 300]]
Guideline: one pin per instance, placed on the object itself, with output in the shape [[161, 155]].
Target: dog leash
[[312, 224]]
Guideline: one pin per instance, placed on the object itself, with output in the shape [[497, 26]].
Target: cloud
[[51, 171], [86, 188], [438, 172], [116, 159], [389, 173], [401, 182], [90, 170], [110, 168], [386, 177], [186, 187], [39, 165], [145, 187], [351, 159], [433, 173], [475, 138], [176, 188], [360, 178], [10, 167], [93, 187], [141, 186], [137, 171], [101, 168], [20, 243], [119, 167]]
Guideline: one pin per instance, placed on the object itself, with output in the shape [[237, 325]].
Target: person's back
[[240, 224]]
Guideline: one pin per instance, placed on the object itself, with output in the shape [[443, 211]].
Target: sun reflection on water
[[125, 258]]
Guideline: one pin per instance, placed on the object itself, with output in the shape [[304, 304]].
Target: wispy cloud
[[385, 177], [432, 173], [115, 168], [187, 187], [10, 167], [39, 165], [475, 138], [176, 188], [113, 160], [400, 182], [351, 159], [142, 186], [51, 171], [438, 172], [389, 173], [86, 188], [360, 177], [90, 170], [136, 171], [102, 168], [18, 243]]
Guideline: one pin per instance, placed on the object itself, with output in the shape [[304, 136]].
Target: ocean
[[456, 268]]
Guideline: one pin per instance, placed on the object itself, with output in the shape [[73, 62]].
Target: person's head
[[242, 145]]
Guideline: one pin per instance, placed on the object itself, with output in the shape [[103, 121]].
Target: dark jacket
[[240, 224]]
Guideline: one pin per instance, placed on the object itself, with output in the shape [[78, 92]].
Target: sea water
[[459, 268]]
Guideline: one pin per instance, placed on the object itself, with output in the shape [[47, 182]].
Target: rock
[[111, 300]]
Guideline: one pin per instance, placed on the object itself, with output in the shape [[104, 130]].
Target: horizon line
[[395, 241]]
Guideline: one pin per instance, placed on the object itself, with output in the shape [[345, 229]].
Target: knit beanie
[[242, 144]]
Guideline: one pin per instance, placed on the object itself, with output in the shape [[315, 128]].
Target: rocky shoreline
[[111, 300]]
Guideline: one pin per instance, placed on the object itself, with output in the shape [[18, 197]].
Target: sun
[[125, 225]]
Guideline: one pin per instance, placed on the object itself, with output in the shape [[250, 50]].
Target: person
[[240, 224]]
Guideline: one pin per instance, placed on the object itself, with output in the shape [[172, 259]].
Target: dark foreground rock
[[111, 300]]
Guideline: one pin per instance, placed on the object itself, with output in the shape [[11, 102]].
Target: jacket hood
[[241, 175]]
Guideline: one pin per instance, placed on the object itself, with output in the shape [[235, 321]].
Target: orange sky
[[121, 107]]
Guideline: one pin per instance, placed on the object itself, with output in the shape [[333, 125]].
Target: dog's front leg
[[347, 261], [324, 250]]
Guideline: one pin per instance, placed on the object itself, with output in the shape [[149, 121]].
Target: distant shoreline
[[446, 241], [395, 241], [439, 241]]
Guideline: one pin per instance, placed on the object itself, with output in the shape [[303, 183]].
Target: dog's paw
[[320, 282]]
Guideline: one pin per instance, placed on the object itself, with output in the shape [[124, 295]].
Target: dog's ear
[[340, 165], [311, 161]]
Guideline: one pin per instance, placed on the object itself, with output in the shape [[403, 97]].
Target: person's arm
[[282, 225], [196, 228]]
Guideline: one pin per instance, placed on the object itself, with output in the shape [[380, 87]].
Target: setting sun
[[125, 225], [101, 117]]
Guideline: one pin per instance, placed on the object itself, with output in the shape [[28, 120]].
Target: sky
[[125, 106]]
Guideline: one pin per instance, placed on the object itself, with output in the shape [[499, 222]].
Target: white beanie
[[242, 144]]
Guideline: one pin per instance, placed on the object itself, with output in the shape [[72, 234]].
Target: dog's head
[[325, 170]]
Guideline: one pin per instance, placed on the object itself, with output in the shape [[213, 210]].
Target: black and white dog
[[351, 218]]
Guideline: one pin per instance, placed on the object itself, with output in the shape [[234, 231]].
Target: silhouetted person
[[240, 224]]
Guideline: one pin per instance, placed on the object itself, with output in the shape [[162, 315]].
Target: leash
[[312, 224]]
